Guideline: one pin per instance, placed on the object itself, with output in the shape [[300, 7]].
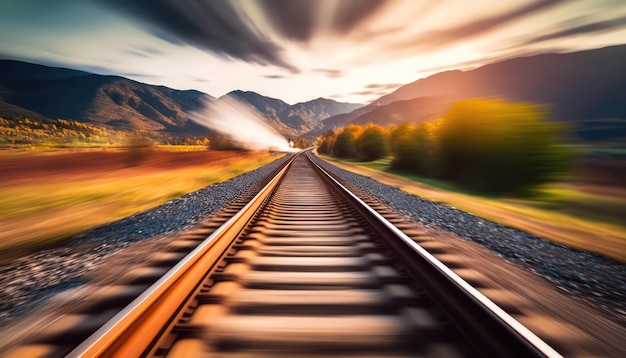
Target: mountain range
[[292, 120], [41, 92], [586, 88], [578, 87]]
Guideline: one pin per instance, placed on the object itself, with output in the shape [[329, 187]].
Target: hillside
[[415, 110], [267, 106], [21, 71], [46, 93], [577, 86], [51, 93], [292, 120], [310, 114]]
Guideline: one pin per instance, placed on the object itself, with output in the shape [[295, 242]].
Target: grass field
[[584, 218], [45, 197]]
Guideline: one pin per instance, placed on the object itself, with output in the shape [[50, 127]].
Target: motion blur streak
[[241, 123]]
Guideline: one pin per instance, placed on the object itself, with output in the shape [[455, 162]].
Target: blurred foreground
[[46, 196], [509, 162]]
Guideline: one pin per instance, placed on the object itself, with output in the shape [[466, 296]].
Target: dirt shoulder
[[566, 231], [28, 167], [46, 197]]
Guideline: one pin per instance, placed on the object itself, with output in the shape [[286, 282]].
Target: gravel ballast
[[586, 275], [29, 281]]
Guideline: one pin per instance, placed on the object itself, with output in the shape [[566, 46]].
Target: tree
[[403, 148], [327, 141], [498, 146], [301, 143], [373, 143], [345, 146]]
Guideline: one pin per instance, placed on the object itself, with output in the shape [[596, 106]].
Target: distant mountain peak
[[582, 85], [11, 70], [47, 92]]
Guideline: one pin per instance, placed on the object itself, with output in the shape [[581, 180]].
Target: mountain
[[267, 106], [39, 91], [577, 86], [22, 71], [414, 110], [42, 92], [292, 120], [310, 114]]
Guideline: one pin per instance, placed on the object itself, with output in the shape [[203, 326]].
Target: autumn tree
[[403, 148], [326, 142], [301, 143], [373, 143], [345, 146], [499, 146]]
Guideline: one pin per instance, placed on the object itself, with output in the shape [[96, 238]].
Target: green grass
[[554, 196], [384, 164], [599, 208], [558, 212]]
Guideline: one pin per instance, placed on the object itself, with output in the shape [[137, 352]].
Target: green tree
[[404, 148], [373, 143], [345, 146], [326, 142], [498, 146]]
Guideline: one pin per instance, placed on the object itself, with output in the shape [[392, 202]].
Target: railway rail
[[304, 269]]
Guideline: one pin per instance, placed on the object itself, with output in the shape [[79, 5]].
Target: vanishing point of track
[[307, 269]]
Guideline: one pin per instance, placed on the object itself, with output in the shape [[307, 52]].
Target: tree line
[[26, 132], [489, 145]]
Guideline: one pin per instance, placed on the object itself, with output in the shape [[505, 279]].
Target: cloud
[[376, 89], [383, 86], [332, 73], [437, 39], [145, 52], [299, 19], [229, 28], [216, 25], [200, 80], [366, 93], [136, 75], [241, 122], [598, 26], [474, 28], [274, 77]]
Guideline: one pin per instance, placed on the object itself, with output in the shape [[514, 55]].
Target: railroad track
[[306, 269]]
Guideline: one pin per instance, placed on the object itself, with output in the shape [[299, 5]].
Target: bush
[[415, 148], [327, 142], [345, 146], [373, 143], [496, 146]]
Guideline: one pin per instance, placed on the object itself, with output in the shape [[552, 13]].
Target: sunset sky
[[297, 50]]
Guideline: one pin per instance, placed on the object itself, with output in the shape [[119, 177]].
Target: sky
[[298, 50]]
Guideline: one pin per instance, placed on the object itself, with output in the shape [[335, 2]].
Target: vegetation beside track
[[558, 212], [45, 203]]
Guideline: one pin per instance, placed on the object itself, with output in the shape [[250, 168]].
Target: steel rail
[[125, 334], [489, 322], [136, 330]]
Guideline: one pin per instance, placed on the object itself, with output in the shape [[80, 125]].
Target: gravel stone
[[587, 275], [30, 280]]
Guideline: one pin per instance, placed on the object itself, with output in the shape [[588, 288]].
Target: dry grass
[[580, 232], [37, 212]]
